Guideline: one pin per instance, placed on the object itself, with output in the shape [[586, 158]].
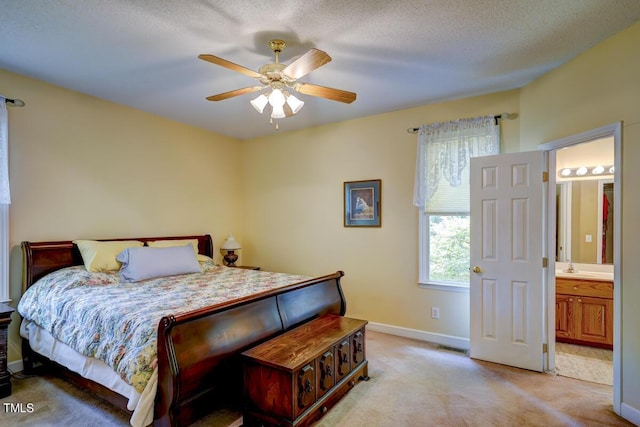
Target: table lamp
[[228, 248]]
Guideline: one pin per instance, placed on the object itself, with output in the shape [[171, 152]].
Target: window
[[442, 193], [449, 249]]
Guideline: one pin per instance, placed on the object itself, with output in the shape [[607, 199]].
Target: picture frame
[[362, 203]]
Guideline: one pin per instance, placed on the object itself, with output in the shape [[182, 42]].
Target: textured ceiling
[[393, 54]]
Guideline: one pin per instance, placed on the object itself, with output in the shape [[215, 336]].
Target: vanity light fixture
[[586, 171]]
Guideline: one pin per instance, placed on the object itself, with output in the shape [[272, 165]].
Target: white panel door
[[507, 277]]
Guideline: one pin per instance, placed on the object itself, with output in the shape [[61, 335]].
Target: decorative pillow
[[148, 262], [169, 243], [101, 256]]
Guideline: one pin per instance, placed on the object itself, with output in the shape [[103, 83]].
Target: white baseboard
[[630, 413], [441, 339], [15, 366]]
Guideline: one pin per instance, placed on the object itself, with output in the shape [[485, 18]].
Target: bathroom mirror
[[585, 221]]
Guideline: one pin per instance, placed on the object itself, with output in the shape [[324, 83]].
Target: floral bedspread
[[98, 316]]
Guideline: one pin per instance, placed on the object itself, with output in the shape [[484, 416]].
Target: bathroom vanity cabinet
[[584, 311]]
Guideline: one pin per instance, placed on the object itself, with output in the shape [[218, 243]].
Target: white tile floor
[[584, 363]]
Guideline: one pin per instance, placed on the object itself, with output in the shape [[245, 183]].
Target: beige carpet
[[412, 384], [584, 363]]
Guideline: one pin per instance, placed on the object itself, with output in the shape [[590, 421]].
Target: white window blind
[[442, 166]]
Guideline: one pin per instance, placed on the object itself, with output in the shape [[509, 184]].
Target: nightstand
[[248, 267], [5, 377]]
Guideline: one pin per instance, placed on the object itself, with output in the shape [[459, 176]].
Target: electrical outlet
[[435, 312]]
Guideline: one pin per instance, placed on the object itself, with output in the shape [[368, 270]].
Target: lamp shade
[[230, 244], [276, 98], [260, 102], [278, 112], [294, 103]]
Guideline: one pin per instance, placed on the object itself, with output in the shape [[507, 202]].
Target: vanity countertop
[[586, 275]]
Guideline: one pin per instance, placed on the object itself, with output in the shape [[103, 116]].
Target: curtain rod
[[507, 116], [14, 102]]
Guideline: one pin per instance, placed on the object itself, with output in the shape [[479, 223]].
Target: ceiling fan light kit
[[277, 77]]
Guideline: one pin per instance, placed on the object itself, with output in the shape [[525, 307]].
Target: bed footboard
[[199, 352]]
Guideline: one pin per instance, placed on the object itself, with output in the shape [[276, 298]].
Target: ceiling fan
[[276, 78]]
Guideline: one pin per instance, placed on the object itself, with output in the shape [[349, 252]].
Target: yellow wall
[[293, 191], [81, 167], [85, 167], [584, 221], [293, 221], [598, 88]]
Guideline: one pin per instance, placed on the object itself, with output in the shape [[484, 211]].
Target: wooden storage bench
[[295, 378]]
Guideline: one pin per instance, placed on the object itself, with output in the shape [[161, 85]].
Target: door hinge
[[545, 262], [545, 348], [545, 176]]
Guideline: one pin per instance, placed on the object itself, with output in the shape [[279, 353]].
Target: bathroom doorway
[[584, 261], [593, 251]]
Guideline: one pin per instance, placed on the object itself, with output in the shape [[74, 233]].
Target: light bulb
[[597, 170], [581, 171], [565, 172]]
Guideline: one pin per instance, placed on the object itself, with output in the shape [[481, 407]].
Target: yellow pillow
[[184, 242], [101, 256]]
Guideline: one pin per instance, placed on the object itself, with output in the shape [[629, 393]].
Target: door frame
[[612, 130]]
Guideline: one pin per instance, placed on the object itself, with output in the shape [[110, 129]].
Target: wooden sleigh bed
[[198, 352]]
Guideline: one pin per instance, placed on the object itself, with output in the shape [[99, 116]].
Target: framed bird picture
[[362, 207]]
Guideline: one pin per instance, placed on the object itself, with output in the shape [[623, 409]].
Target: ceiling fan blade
[[230, 65], [326, 92], [308, 62], [232, 93]]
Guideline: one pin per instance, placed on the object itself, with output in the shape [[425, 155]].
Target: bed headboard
[[41, 258]]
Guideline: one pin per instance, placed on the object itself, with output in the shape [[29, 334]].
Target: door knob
[[477, 269]]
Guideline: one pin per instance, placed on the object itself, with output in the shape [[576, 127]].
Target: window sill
[[445, 287]]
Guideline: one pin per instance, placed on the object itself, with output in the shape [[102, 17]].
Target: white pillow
[[148, 262]]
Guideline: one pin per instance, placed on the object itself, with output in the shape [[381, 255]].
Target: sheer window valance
[[442, 164]]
